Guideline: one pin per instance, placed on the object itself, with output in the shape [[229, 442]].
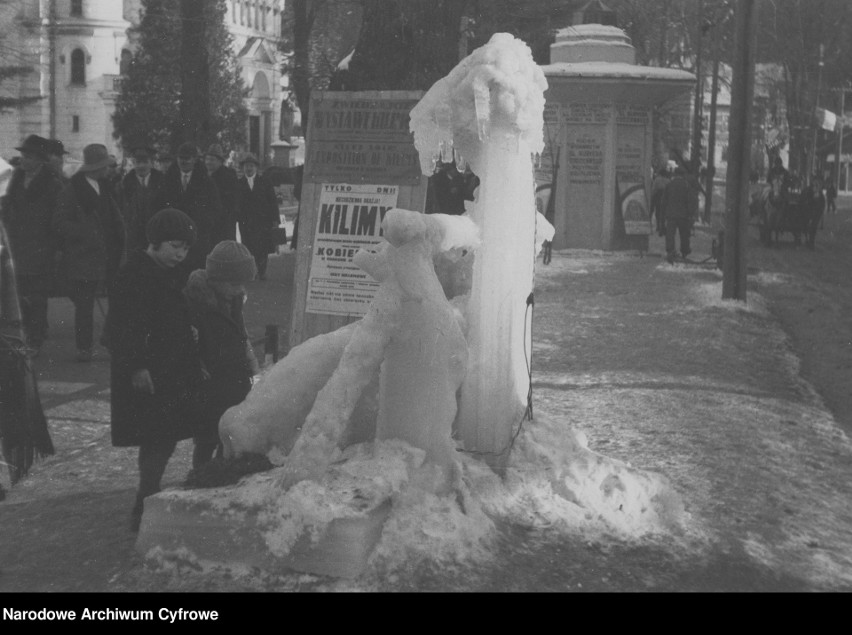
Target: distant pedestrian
[[164, 162], [56, 158], [216, 295], [225, 179], [813, 200], [188, 187], [679, 208], [778, 171], [658, 186], [298, 175], [27, 210], [257, 209], [136, 198], [831, 198], [89, 225], [155, 371]]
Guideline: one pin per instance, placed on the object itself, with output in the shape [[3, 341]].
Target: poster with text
[[349, 218], [631, 121], [361, 140], [584, 177]]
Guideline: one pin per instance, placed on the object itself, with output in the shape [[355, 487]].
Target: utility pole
[[695, 155], [51, 67], [711, 133], [840, 126], [813, 163], [739, 165]]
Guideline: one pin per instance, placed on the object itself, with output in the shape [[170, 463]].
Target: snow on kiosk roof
[[602, 55]]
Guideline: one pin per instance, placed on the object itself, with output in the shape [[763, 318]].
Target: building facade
[[78, 50]]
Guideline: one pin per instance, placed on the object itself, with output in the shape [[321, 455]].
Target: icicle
[[482, 106], [461, 162], [447, 151], [434, 164]]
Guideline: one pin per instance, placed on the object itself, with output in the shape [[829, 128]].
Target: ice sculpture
[[361, 421], [411, 333], [489, 110]]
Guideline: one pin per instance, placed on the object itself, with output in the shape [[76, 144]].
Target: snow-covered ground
[[647, 364]]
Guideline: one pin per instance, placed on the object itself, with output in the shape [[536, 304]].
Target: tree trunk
[[737, 183], [194, 123], [302, 24]]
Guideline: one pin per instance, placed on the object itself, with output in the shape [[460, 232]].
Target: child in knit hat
[[155, 371], [216, 295]]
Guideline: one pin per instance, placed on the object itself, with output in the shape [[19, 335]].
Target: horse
[[779, 210]]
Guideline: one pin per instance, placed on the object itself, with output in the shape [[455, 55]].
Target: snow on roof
[[590, 31], [616, 70]]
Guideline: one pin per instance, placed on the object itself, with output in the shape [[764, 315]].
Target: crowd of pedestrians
[[159, 242]]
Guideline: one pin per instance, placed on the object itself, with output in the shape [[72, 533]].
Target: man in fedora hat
[[188, 187], [27, 210], [257, 211], [225, 179], [89, 224], [56, 158], [135, 197], [164, 162]]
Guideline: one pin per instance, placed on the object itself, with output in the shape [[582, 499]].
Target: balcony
[[112, 83]]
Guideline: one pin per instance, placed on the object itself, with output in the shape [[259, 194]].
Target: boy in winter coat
[[155, 371], [216, 295]]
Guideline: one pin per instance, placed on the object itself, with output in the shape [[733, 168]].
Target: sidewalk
[[642, 356]]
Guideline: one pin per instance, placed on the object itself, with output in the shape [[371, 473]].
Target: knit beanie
[[170, 224], [231, 261]]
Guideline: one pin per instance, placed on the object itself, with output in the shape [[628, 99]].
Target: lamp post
[[840, 126], [695, 155]]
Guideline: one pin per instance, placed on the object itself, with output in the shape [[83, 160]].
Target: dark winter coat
[[225, 179], [257, 211], [90, 230], [23, 428], [677, 201], [658, 186], [27, 213], [225, 351], [151, 329], [136, 204], [448, 188], [201, 202]]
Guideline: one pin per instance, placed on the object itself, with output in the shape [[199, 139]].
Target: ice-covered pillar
[[488, 112]]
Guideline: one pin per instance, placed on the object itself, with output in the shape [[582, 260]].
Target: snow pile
[[497, 91]]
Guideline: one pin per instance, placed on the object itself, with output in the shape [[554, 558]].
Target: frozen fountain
[[389, 434]]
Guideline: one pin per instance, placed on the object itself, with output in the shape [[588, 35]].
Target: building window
[[75, 123], [77, 8], [78, 67]]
